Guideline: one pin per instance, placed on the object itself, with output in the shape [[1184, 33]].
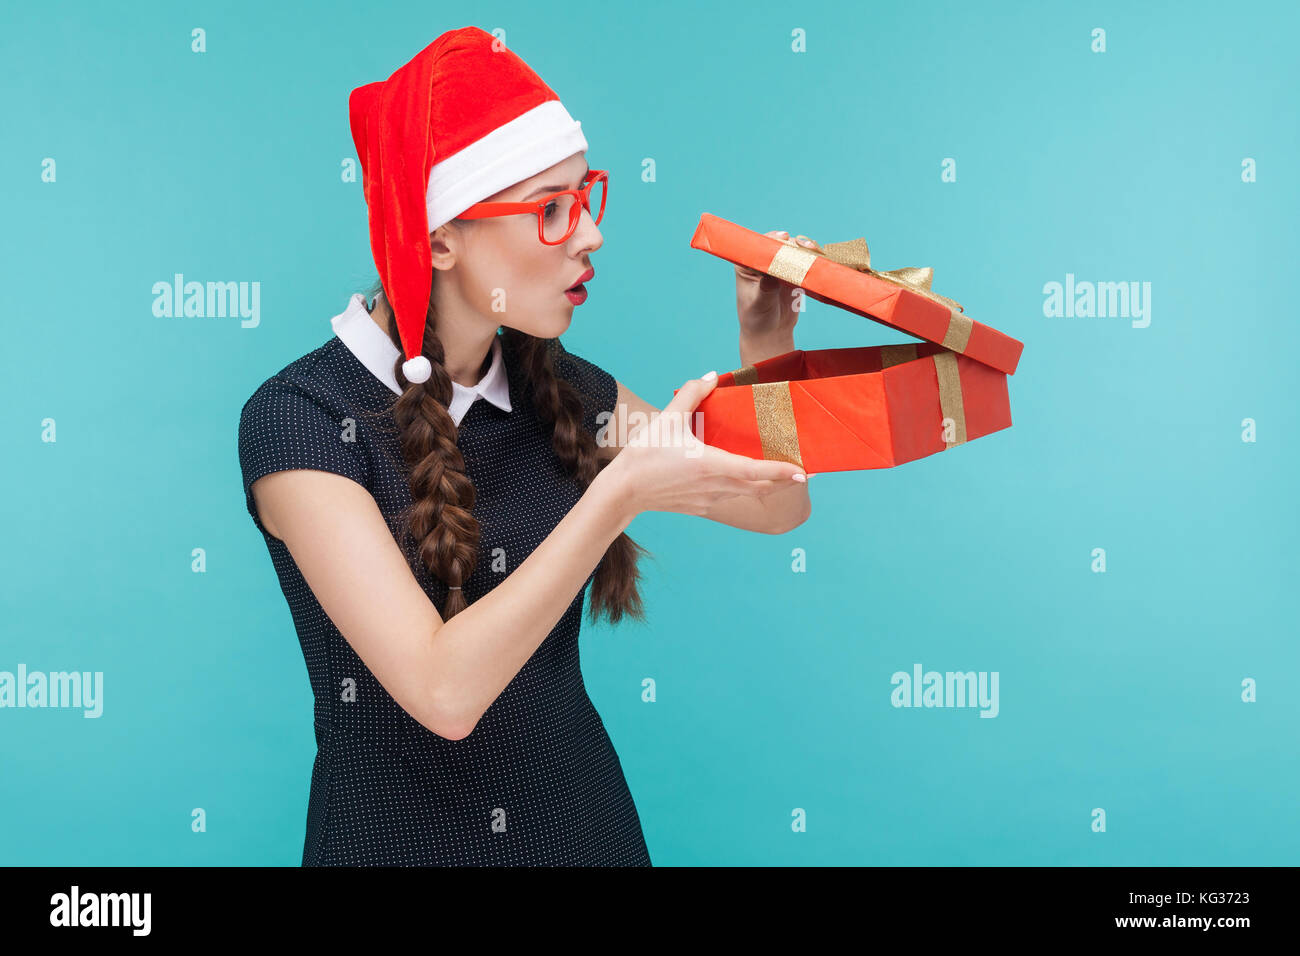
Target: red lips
[[586, 276]]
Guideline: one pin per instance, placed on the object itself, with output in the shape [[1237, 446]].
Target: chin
[[550, 330]]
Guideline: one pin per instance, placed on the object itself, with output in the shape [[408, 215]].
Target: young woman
[[437, 494]]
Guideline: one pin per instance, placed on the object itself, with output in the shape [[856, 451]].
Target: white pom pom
[[417, 369]]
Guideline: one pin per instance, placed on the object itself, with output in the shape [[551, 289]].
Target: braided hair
[[440, 521]]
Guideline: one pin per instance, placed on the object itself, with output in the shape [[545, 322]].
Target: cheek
[[524, 272], [538, 272], [495, 284]]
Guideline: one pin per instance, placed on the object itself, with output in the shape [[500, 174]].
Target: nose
[[587, 234]]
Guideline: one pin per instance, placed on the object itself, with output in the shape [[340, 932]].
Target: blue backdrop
[[1146, 712]]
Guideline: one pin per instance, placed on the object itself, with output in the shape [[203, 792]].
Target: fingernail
[[799, 477], [784, 233], [805, 242], [709, 376]]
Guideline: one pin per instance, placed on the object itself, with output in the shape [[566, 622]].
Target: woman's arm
[[787, 507], [755, 347], [445, 674], [768, 308]]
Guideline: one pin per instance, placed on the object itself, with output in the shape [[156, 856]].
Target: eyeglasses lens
[[559, 212]]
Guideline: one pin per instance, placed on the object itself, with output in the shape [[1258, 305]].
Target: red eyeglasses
[[557, 214]]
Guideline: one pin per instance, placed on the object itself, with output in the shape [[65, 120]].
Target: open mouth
[[579, 285], [576, 294]]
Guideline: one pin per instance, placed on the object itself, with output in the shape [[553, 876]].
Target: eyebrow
[[542, 190]]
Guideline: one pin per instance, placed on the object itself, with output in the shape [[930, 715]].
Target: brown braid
[[440, 517]]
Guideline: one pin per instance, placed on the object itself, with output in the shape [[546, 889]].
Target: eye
[[550, 208]]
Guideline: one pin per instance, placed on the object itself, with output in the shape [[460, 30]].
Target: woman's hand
[[764, 303], [765, 306], [664, 467]]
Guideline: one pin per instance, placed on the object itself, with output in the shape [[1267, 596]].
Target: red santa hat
[[463, 120]]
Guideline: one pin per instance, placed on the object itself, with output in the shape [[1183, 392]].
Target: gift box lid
[[841, 275]]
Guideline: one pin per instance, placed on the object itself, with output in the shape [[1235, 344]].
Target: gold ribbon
[[792, 262], [777, 431], [896, 354], [945, 368], [774, 410], [950, 397]]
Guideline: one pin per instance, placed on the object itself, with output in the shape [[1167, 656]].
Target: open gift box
[[853, 408]]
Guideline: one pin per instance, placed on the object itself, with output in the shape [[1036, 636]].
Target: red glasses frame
[[537, 207]]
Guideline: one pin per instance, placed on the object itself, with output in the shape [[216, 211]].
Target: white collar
[[375, 351]]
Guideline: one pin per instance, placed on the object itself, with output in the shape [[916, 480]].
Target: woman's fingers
[[691, 394], [755, 273], [802, 240], [751, 469]]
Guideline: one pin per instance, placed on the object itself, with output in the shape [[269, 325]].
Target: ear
[[442, 246]]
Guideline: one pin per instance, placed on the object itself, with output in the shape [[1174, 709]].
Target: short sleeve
[[598, 389], [284, 427]]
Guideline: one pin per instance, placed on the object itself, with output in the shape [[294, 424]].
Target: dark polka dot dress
[[538, 781]]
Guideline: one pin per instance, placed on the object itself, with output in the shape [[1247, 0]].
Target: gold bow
[[854, 254]]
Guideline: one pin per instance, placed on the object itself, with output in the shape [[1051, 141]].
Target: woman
[[435, 548]]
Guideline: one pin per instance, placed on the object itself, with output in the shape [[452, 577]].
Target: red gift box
[[853, 408]]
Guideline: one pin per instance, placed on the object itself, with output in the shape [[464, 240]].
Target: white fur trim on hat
[[417, 370], [530, 143]]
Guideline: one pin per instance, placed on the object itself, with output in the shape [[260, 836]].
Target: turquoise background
[[1119, 690]]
